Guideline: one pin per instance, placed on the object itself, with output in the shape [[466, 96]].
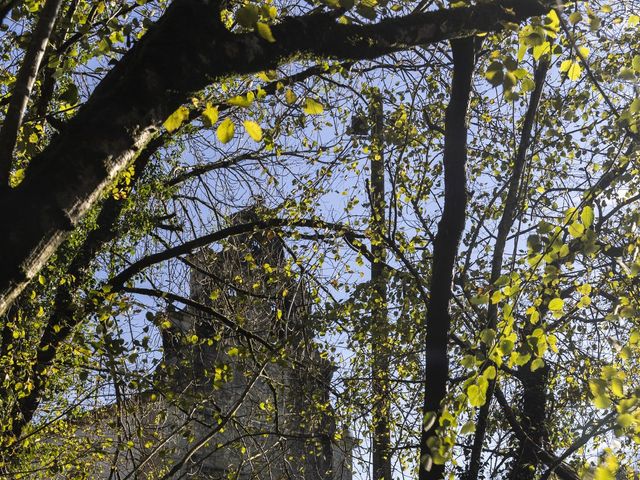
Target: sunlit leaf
[[176, 119], [253, 129], [226, 130]]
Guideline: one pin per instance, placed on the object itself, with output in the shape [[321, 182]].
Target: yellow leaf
[[241, 100], [553, 20], [573, 69], [210, 113], [602, 402], [540, 50], [226, 130], [584, 51], [587, 216], [536, 364], [556, 305], [626, 420], [617, 387], [176, 118], [311, 107], [496, 297], [265, 32], [290, 96], [253, 129], [267, 75]]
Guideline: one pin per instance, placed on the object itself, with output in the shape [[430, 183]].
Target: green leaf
[[253, 129], [264, 31], [468, 361], [576, 229], [476, 395], [247, 16], [509, 81], [226, 130], [311, 107], [176, 119], [506, 346], [468, 427], [70, 94], [626, 74], [487, 336], [479, 300], [575, 17], [587, 216]]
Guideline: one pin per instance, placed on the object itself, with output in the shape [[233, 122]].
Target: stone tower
[[242, 356]]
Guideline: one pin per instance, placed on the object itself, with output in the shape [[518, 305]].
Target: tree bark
[[445, 250], [381, 408], [24, 84], [563, 471], [163, 71], [533, 421]]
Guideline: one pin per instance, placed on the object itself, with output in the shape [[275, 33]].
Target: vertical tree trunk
[[445, 250], [533, 422], [381, 442]]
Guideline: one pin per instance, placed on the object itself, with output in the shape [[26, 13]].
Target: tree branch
[[164, 70], [563, 471], [25, 80]]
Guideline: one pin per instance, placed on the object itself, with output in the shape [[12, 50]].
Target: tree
[[121, 154]]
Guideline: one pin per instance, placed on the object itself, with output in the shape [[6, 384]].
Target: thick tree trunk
[[445, 250], [187, 49], [533, 421]]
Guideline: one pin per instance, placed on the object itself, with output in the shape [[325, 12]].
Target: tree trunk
[[445, 250], [381, 408]]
